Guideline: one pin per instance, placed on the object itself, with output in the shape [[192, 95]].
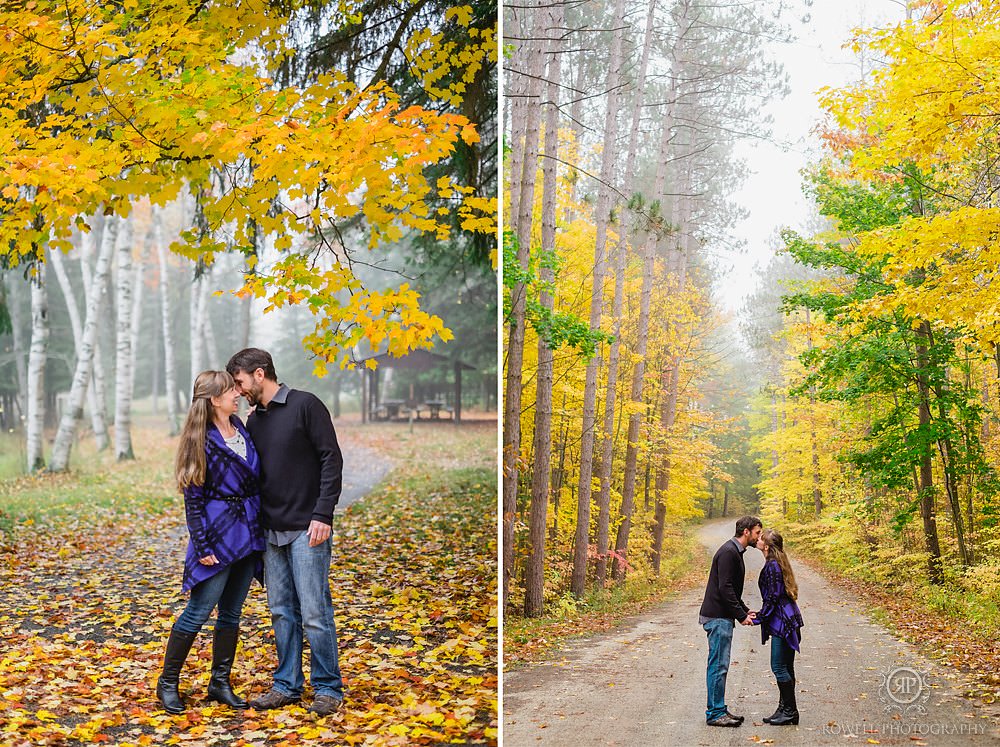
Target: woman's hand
[[208, 560]]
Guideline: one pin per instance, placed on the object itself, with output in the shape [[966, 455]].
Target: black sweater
[[724, 592], [301, 464]]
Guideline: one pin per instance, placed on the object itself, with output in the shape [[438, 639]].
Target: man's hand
[[318, 533], [748, 620]]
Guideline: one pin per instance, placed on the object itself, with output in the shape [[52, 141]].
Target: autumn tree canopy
[[105, 103]]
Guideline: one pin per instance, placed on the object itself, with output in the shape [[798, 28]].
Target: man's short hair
[[746, 522], [249, 360]]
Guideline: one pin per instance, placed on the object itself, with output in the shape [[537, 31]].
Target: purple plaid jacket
[[223, 515], [779, 615]]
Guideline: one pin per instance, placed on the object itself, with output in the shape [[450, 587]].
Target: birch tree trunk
[[96, 397], [515, 346], [607, 445], [210, 347], [15, 297], [59, 267], [37, 355], [535, 576], [138, 291], [166, 314], [123, 347], [199, 305], [603, 218], [84, 364]]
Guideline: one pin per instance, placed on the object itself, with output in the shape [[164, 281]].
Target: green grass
[[12, 456], [96, 489]]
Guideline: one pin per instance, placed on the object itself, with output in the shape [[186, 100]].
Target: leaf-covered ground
[[90, 584]]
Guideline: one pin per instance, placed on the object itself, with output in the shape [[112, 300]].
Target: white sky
[[772, 192]]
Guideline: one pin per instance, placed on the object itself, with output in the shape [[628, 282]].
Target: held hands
[[208, 560], [318, 533], [749, 620]]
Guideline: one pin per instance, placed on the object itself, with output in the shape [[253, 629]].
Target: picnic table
[[435, 409]]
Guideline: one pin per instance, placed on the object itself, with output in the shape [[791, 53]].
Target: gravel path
[[644, 683], [363, 470]]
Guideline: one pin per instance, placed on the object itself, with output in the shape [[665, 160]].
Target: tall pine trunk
[[542, 447], [524, 185], [603, 219], [607, 446], [926, 472], [657, 230]]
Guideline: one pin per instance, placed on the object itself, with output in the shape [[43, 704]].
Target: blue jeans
[[297, 578], [720, 644], [228, 589], [782, 659]]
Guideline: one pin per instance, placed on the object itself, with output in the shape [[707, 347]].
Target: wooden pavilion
[[374, 407]]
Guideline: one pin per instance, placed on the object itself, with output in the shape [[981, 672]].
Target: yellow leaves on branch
[[445, 68], [101, 105], [347, 314], [958, 257], [934, 102], [930, 113]]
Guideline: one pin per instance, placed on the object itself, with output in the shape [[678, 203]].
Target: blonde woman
[[218, 471], [779, 618]]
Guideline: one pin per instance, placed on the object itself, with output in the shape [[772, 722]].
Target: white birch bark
[[123, 344], [199, 308], [14, 306], [138, 291], [59, 267], [37, 355], [95, 388], [85, 362], [166, 315]]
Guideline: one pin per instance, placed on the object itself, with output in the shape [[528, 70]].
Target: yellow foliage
[[100, 107]]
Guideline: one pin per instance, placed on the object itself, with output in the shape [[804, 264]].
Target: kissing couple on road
[[779, 619], [259, 501]]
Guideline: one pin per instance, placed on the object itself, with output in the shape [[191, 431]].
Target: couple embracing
[[258, 501], [779, 619]]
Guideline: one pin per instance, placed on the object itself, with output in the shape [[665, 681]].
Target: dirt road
[[644, 684]]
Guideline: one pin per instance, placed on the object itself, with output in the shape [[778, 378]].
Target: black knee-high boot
[[779, 709], [789, 715], [178, 646], [223, 654]]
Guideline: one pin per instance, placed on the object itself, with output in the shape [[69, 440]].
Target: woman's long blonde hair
[[190, 466], [776, 549]]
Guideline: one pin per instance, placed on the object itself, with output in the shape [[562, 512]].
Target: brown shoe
[[272, 699], [324, 705]]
